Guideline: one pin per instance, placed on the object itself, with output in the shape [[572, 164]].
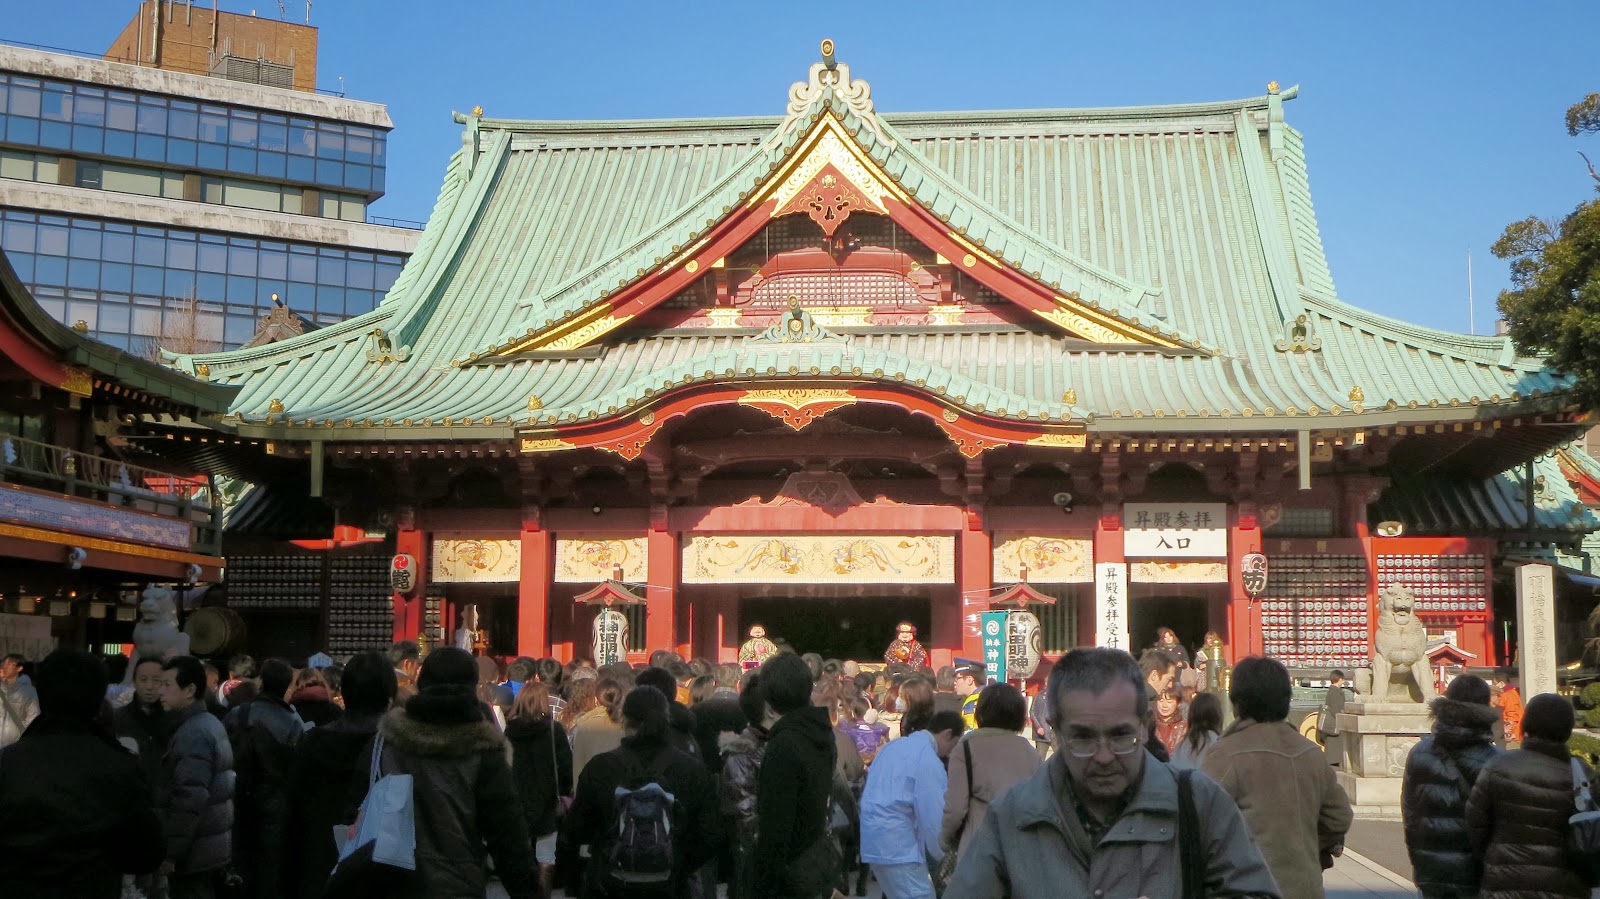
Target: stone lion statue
[[156, 635], [1400, 671]]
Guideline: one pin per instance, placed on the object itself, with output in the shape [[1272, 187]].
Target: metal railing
[[60, 469]]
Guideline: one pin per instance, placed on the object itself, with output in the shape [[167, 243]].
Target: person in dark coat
[[196, 805], [1517, 813], [465, 801], [741, 769], [541, 765], [796, 776], [143, 721], [681, 734], [78, 813], [1328, 719], [718, 715], [311, 698], [1440, 774], [646, 756], [264, 732], [324, 766]]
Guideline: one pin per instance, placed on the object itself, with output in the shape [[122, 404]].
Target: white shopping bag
[[386, 820]]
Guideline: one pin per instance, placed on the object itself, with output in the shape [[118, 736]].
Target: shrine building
[[835, 369]]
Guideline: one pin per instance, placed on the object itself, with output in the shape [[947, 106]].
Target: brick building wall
[[184, 38]]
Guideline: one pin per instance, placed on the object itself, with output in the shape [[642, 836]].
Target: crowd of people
[[803, 777]]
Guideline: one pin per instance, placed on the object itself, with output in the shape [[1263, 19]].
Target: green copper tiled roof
[[1454, 506], [1192, 221]]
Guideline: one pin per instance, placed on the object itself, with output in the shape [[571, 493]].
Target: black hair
[[947, 720], [865, 681], [680, 671], [727, 675], [832, 667], [1261, 690], [1094, 669], [1548, 716], [753, 699], [787, 680], [448, 666], [368, 684], [116, 667], [1469, 688], [1205, 717], [141, 661], [276, 675], [403, 651], [549, 671], [1502, 674], [71, 683], [659, 678], [17, 657], [700, 667], [944, 680], [646, 709], [521, 670], [188, 672], [1335, 674], [1002, 706], [1158, 660]]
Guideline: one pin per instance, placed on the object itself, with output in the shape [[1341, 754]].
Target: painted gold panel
[[847, 559], [586, 559], [1178, 572], [1049, 560], [469, 561]]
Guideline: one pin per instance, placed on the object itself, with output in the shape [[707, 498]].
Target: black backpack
[[643, 856]]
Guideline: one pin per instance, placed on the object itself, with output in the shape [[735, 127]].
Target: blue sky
[[1429, 126]]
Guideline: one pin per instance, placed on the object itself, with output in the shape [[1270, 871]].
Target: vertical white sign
[[1536, 629], [1111, 606]]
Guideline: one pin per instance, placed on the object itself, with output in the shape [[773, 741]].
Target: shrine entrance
[[1188, 614], [836, 627]]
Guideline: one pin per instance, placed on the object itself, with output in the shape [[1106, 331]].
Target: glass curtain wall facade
[[184, 134], [120, 278]]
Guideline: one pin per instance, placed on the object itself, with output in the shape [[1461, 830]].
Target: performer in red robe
[[905, 649]]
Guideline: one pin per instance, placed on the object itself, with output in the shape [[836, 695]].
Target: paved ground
[[1357, 875]]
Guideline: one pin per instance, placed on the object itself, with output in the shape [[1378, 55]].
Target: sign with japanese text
[[1111, 606], [1536, 628], [994, 643], [1183, 530], [403, 573]]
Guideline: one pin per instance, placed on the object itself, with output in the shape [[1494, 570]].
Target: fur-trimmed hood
[[1459, 724], [410, 735]]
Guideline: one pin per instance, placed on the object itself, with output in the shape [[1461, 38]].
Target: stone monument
[[1389, 714]]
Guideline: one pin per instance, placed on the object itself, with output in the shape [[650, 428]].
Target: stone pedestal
[[1378, 737]]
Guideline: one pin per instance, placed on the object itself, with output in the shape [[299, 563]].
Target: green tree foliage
[[1553, 306]]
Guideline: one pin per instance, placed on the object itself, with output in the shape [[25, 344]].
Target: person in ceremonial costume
[[905, 650], [757, 649]]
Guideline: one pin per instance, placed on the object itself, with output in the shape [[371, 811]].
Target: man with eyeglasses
[[1101, 817]]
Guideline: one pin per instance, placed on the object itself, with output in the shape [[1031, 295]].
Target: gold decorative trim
[[545, 445], [78, 382], [830, 147], [946, 313], [948, 414], [836, 316], [95, 544], [797, 407], [723, 317], [1068, 441]]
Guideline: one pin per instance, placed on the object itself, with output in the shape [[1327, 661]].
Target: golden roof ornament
[[81, 326], [276, 406], [1272, 87], [1070, 397], [534, 403], [1357, 395], [477, 111]]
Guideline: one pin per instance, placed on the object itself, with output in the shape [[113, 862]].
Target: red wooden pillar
[[533, 591], [661, 597], [1244, 537], [408, 611], [975, 561], [1108, 547]]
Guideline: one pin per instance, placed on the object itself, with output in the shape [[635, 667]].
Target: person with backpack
[[647, 811], [1440, 773]]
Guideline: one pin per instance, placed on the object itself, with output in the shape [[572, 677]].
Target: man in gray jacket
[[196, 806], [1100, 818], [19, 703]]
